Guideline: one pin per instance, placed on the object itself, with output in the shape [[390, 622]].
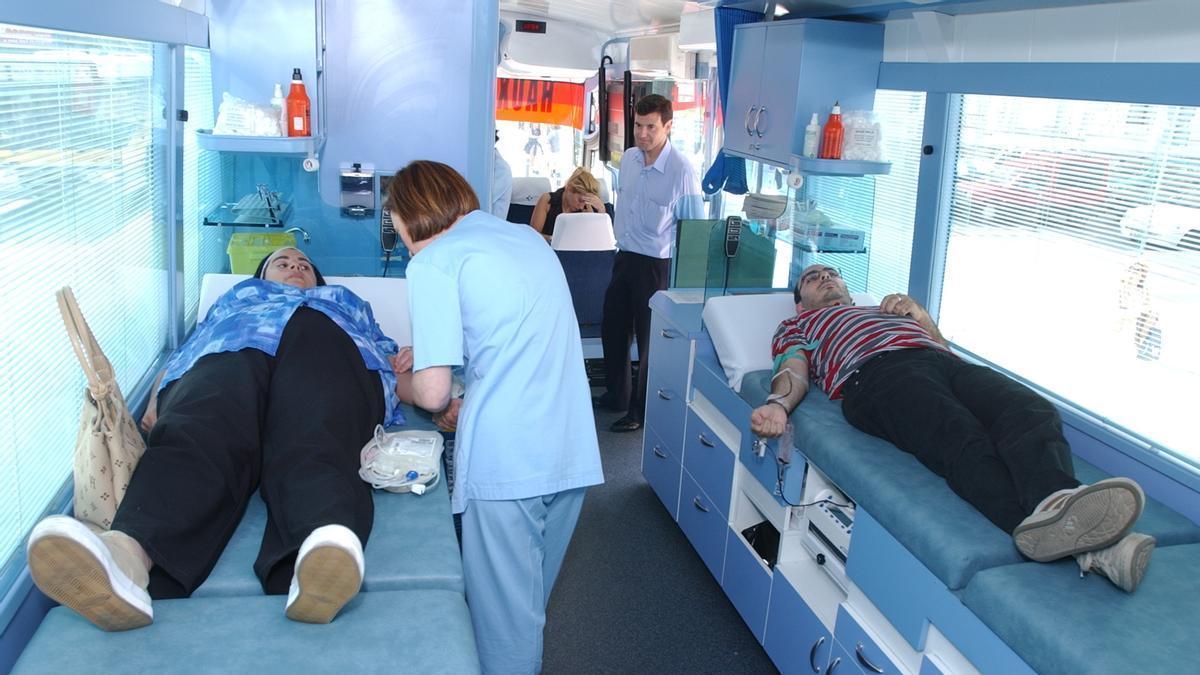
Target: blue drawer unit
[[796, 640], [661, 469], [861, 647], [747, 582], [666, 408], [671, 352], [841, 662], [703, 525], [709, 461], [766, 470]]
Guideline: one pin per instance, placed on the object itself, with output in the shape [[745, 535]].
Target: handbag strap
[[99, 372]]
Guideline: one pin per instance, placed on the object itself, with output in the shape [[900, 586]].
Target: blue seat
[[588, 275], [412, 543], [945, 533], [1060, 623], [402, 631]]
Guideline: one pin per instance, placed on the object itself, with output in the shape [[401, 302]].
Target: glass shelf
[[274, 145], [840, 167]]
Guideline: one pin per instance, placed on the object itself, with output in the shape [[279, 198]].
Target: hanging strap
[[99, 372]]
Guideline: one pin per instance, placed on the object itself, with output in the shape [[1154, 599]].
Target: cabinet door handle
[[699, 506], [758, 120], [833, 665], [862, 659], [658, 453], [749, 112], [668, 333], [664, 395], [812, 654], [705, 442]]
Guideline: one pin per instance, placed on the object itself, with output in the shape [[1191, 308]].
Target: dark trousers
[[626, 315], [290, 426], [996, 442]]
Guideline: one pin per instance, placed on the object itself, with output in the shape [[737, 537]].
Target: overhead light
[[780, 10]]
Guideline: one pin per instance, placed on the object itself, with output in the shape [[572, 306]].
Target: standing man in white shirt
[[656, 186], [501, 183]]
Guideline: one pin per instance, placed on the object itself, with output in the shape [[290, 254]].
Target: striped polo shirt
[[837, 340]]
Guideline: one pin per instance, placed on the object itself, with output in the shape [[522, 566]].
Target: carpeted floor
[[633, 596]]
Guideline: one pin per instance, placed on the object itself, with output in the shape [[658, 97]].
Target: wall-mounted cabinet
[[784, 71]]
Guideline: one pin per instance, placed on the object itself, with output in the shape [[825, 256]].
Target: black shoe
[[603, 402], [624, 424]]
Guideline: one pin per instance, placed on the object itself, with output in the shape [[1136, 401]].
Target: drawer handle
[[705, 442], [699, 506], [812, 655], [858, 652], [658, 453], [668, 333], [749, 112], [758, 121], [664, 395], [833, 666]]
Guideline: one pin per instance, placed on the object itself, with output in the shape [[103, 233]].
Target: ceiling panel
[[615, 17]]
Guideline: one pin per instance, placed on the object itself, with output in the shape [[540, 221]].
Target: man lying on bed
[[997, 443]]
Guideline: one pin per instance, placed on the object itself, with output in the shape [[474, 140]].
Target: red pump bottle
[[832, 136], [297, 104]]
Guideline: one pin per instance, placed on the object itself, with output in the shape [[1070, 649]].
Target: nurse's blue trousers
[[512, 551]]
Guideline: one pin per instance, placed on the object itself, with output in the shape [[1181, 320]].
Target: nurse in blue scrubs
[[491, 296]]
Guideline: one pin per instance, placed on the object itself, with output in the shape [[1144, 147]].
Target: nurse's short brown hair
[[428, 197]]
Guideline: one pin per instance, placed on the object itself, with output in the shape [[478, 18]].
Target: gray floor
[[633, 596]]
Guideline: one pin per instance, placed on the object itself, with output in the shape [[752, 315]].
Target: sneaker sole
[[328, 578], [1094, 517], [1141, 560], [71, 575]]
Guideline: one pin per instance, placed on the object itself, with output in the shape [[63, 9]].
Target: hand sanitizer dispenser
[[357, 190]]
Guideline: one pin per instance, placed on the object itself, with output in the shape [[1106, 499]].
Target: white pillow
[[388, 297], [741, 327]]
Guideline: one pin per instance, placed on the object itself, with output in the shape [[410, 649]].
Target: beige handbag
[[108, 445]]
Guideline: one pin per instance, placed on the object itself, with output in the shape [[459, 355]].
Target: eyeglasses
[[813, 275]]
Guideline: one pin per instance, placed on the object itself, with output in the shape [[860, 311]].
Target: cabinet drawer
[[708, 460], [765, 470], [666, 411], [860, 646], [670, 353], [661, 469], [747, 583], [703, 525], [795, 640], [841, 662]]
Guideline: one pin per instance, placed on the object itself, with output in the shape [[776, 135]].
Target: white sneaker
[[74, 567], [1124, 563], [329, 572], [1081, 519]]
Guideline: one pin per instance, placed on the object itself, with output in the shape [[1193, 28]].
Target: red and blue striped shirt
[[837, 340]]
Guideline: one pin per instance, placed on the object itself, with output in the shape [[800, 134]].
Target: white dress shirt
[[651, 198]]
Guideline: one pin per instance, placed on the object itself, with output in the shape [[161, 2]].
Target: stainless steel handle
[[758, 120], [699, 506], [664, 395], [858, 653], [668, 333], [833, 665], [749, 112], [812, 654], [705, 442], [658, 453]]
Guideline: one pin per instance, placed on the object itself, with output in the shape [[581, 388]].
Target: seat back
[[583, 232], [588, 275], [526, 192]]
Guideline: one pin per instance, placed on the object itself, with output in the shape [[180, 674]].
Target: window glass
[[535, 149], [203, 246], [1073, 257], [82, 203]]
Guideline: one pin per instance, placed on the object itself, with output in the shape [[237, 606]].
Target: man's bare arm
[[788, 389], [902, 305]]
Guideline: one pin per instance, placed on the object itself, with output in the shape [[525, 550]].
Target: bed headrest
[[741, 327], [583, 232], [527, 190], [388, 297]]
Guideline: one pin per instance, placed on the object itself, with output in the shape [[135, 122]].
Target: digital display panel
[[528, 26]]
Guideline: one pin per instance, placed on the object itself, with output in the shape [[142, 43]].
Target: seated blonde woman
[[581, 193]]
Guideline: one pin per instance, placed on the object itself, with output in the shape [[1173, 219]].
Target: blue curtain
[[727, 172]]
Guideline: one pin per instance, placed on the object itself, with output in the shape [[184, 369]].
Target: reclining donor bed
[[410, 614], [843, 552]]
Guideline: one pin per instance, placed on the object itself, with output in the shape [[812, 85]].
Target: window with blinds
[[1073, 257], [82, 203], [203, 247], [883, 206]]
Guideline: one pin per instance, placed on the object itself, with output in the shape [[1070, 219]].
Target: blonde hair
[[582, 180]]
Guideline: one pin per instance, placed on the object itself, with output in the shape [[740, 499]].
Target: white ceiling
[[613, 17]]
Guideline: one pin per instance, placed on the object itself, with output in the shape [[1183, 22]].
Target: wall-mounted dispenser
[[358, 190]]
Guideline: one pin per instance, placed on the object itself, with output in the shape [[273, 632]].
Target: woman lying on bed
[[277, 390]]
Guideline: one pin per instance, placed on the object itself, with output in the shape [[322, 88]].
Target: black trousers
[[996, 442], [627, 315], [291, 426]]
